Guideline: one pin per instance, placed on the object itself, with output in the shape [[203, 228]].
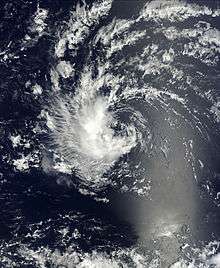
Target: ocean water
[[110, 115]]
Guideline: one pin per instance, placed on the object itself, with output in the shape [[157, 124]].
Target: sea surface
[[110, 134]]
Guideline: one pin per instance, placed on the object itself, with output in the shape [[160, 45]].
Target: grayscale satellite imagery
[[109, 134]]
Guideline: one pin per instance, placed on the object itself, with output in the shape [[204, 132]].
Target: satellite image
[[109, 134]]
